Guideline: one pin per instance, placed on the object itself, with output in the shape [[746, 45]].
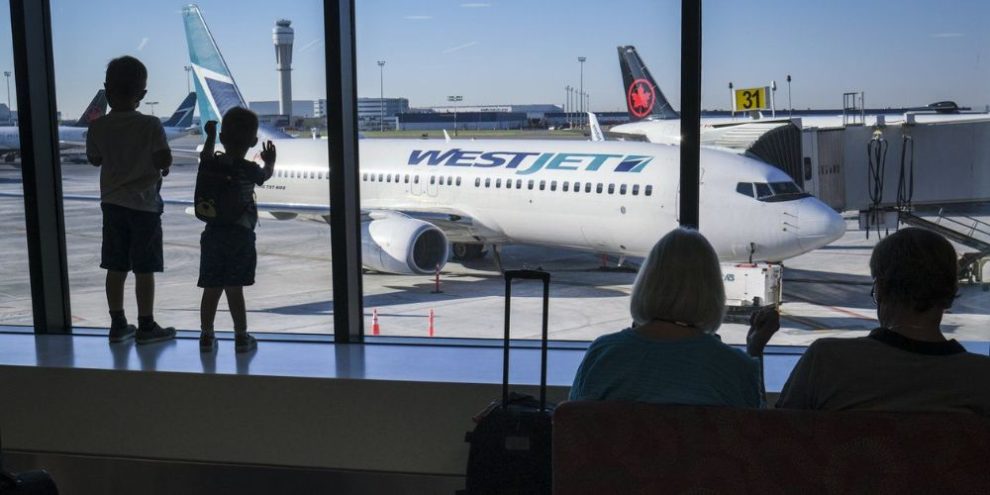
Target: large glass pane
[[15, 287], [478, 107], [882, 128], [293, 280]]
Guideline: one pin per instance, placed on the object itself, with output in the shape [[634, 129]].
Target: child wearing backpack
[[133, 155], [227, 246]]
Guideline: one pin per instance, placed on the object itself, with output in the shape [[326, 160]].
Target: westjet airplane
[[418, 196], [68, 135], [180, 122]]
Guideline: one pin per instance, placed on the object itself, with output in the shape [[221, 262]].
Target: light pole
[[188, 69], [570, 107], [381, 94], [581, 60], [790, 108], [6, 74], [732, 100], [151, 104]]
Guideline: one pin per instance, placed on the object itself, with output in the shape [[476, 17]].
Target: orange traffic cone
[[375, 328], [430, 319]]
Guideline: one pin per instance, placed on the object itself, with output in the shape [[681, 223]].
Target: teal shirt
[[695, 371]]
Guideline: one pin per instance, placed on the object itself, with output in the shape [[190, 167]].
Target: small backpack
[[217, 197]]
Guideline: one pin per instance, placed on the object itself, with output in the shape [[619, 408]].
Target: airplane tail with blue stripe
[[215, 87], [183, 115]]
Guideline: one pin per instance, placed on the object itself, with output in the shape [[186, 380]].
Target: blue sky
[[518, 51]]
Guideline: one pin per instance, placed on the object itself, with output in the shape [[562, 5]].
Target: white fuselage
[[68, 136], [626, 198]]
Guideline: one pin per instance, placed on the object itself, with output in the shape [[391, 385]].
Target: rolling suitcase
[[510, 446], [36, 482]]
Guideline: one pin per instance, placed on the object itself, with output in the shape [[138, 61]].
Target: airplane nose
[[819, 224]]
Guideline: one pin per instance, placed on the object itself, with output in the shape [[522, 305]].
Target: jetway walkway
[[965, 230]]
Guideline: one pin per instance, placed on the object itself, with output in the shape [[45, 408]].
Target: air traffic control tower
[[282, 36]]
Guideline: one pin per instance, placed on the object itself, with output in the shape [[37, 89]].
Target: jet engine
[[402, 245]]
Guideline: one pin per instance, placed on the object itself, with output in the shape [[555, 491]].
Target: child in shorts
[[133, 154], [228, 258]]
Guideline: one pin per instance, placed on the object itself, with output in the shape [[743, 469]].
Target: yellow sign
[[752, 99]]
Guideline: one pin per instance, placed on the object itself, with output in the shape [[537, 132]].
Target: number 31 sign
[[752, 99]]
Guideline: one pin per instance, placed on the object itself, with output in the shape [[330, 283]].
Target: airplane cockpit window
[[745, 188], [763, 191]]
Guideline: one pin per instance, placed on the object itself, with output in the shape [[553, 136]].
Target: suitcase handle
[[510, 275]]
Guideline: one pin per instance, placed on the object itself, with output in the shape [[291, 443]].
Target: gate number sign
[[752, 99]]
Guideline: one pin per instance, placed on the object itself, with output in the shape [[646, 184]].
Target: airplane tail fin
[[183, 115], [96, 109], [595, 127], [643, 97], [215, 87]]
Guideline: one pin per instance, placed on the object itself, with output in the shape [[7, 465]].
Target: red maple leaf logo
[[640, 98]]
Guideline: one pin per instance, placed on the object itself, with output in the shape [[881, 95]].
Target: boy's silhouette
[[228, 258], [133, 154]]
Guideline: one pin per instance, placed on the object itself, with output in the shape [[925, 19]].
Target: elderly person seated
[[671, 354], [906, 364]]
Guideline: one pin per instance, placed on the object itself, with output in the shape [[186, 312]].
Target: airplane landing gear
[[463, 251]]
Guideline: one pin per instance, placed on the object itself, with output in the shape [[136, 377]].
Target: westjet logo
[[528, 162]]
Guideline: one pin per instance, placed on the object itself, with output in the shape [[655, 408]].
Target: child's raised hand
[[210, 128], [268, 152]]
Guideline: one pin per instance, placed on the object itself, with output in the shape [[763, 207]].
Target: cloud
[[459, 47], [419, 17], [142, 44], [312, 44], [475, 5], [947, 35]]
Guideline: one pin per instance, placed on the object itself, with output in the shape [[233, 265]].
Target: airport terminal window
[[15, 292], [159, 39]]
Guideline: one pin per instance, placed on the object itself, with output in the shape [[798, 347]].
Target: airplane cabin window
[[543, 185], [648, 191], [450, 180], [477, 182], [577, 187], [599, 188], [381, 177], [498, 183], [488, 182], [622, 189], [433, 179], [635, 190], [563, 187], [458, 181], [587, 187], [364, 177], [553, 185], [611, 188], [529, 185], [388, 178], [416, 179], [518, 183], [745, 188], [406, 179]]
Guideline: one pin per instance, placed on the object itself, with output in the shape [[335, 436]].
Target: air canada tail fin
[[215, 87], [643, 97], [183, 115], [96, 109]]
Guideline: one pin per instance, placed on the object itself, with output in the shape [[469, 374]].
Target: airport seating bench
[[633, 448]]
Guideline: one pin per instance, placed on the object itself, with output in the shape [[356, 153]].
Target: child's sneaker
[[154, 334], [244, 343], [120, 333], [207, 342]]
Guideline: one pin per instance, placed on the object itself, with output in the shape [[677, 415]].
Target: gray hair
[[681, 281]]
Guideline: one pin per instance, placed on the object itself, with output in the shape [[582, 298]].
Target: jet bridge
[[775, 142]]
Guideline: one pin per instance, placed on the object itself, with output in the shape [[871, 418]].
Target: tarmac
[[826, 292]]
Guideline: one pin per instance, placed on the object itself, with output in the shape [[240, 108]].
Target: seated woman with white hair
[[671, 354]]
